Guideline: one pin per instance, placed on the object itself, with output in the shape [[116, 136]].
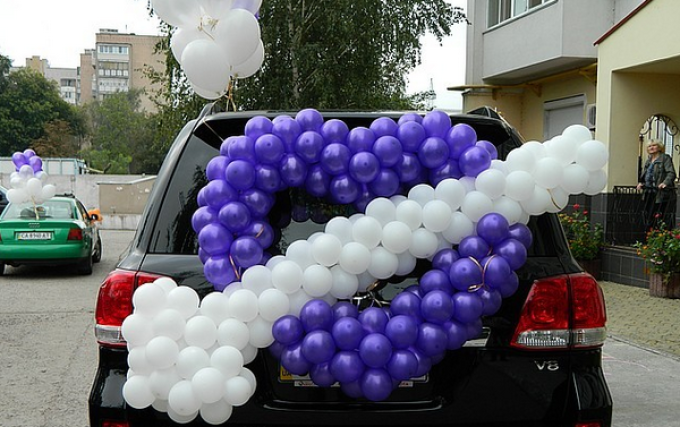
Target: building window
[[502, 10], [115, 49]]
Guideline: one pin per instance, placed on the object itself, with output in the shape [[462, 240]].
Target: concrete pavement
[[648, 322]]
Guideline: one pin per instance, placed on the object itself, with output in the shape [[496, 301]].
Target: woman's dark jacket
[[663, 172]]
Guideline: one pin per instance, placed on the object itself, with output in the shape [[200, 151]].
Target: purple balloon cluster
[[27, 157], [370, 352], [327, 159]]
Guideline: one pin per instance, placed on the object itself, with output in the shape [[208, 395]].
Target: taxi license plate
[[34, 235]]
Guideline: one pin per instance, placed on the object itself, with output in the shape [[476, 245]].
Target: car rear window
[[51, 209]]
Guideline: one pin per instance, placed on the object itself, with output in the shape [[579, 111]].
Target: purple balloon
[[202, 217], [334, 131], [388, 150], [224, 147], [373, 320], [384, 126], [494, 228], [344, 189], [365, 197], [375, 350], [411, 134], [240, 174], [424, 362], [510, 286], [258, 202], [467, 307], [275, 349], [347, 366], [437, 307], [288, 330], [437, 123], [432, 339], [496, 271], [218, 192], [293, 360], [287, 129], [360, 139], [410, 117], [318, 182], [235, 216], [364, 167], [200, 198], [408, 167], [318, 346], [514, 252], [402, 331], [215, 239], [386, 184], [260, 231], [444, 259], [321, 375], [491, 301], [474, 161], [269, 149], [335, 158], [268, 178], [448, 170], [522, 233], [376, 384], [19, 160], [344, 309], [474, 329], [402, 365], [215, 168], [436, 280], [473, 246], [407, 304], [352, 389], [433, 152], [309, 119], [465, 273], [293, 170], [456, 335], [309, 146], [258, 126], [316, 315], [36, 163], [203, 256], [246, 252], [347, 333], [219, 271], [241, 148], [489, 147], [28, 153], [460, 138]]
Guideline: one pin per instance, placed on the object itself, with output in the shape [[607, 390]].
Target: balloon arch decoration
[[464, 210]]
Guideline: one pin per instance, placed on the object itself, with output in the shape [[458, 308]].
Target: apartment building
[[65, 78], [117, 64]]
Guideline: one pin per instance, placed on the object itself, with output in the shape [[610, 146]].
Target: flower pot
[[662, 288], [592, 267]]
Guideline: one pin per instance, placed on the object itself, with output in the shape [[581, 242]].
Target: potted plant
[[585, 239], [661, 252]]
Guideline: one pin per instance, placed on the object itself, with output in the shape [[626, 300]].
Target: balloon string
[[552, 199], [211, 129], [474, 288], [230, 95], [236, 269]]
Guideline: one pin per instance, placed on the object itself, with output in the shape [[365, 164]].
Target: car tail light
[[114, 304], [588, 424], [75, 234], [561, 312], [115, 423]]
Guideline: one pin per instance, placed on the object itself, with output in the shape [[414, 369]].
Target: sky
[[60, 30]]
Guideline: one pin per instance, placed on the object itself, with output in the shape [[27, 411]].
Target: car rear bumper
[[49, 254], [487, 397]]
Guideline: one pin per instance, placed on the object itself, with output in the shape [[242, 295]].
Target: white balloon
[[190, 360], [366, 280], [232, 287], [384, 263], [238, 34], [519, 185], [250, 5], [260, 333], [355, 258], [382, 209], [201, 331], [317, 281], [237, 391], [341, 228], [251, 65], [563, 149], [17, 196], [161, 352], [287, 277], [137, 392], [407, 263], [183, 299], [461, 226], [510, 209], [216, 9], [450, 191], [161, 382], [137, 362], [249, 353], [233, 333], [207, 94], [208, 384], [548, 172], [300, 251], [475, 205], [205, 65], [558, 199], [521, 159], [578, 133], [499, 165], [367, 231], [273, 261], [410, 212], [536, 148], [597, 181], [169, 323], [243, 305], [26, 172], [137, 330], [216, 413], [165, 283], [592, 155], [326, 249], [181, 419], [344, 284], [48, 191], [182, 37], [148, 299], [538, 203], [248, 374], [436, 216], [396, 236], [183, 400], [397, 199], [273, 304], [228, 360], [574, 179], [257, 279], [421, 193], [178, 12], [34, 187], [469, 183], [297, 300], [491, 182], [423, 243]]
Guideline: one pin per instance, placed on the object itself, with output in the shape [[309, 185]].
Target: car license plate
[[305, 381], [34, 235]]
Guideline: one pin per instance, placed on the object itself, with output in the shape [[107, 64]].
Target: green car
[[59, 231]]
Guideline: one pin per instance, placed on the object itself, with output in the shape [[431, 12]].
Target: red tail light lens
[[75, 234], [560, 312], [115, 423], [114, 304]]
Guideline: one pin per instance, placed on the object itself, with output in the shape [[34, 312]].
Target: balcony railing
[[626, 216]]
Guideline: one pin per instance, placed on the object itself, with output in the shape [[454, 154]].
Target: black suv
[[537, 363]]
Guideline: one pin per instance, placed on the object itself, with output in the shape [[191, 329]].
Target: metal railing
[[626, 222]]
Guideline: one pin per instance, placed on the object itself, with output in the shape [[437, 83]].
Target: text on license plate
[[34, 235]]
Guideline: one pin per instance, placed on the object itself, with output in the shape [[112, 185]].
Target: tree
[[28, 102]]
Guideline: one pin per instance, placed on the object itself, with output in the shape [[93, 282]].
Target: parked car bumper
[[36, 254]]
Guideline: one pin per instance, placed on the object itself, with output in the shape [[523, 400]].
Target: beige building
[[117, 64], [65, 78]]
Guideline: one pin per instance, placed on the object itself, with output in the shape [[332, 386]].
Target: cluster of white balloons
[[186, 358], [215, 40], [28, 186]]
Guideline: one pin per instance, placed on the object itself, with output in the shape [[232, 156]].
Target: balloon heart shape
[[296, 304]]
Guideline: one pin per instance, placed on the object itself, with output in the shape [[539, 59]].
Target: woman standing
[[658, 181]]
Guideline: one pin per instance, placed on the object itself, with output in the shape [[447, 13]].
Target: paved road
[[48, 353]]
